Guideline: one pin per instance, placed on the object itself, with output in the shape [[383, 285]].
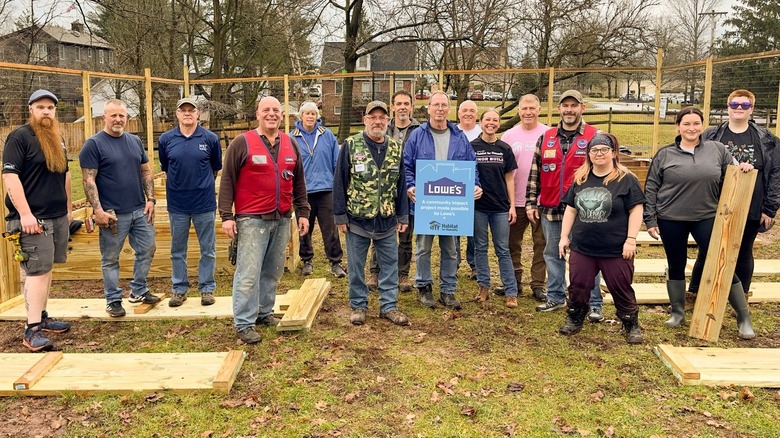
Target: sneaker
[[177, 300], [337, 270], [249, 336], [499, 290], [35, 340], [403, 284], [358, 317], [539, 294], [373, 281], [52, 325], [396, 317], [207, 299], [549, 306], [147, 298], [115, 309], [426, 296], [449, 300], [268, 321], [595, 315], [307, 269], [511, 302]]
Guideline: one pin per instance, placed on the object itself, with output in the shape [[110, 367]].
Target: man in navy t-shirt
[[191, 156], [118, 182]]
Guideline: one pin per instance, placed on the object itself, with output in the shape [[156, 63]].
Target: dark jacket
[[770, 150], [391, 128]]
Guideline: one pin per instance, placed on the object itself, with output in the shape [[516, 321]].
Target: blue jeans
[[499, 227], [387, 255], [135, 227], [448, 265], [556, 267], [469, 251], [262, 246], [180, 233]]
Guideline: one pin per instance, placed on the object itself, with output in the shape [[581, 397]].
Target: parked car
[[647, 97], [492, 95], [315, 91], [423, 94], [477, 95]]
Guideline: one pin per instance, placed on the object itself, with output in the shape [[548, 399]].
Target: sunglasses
[[744, 105]]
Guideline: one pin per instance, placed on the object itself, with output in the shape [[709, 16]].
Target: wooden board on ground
[[95, 308], [726, 239], [655, 293], [656, 267], [644, 239], [93, 373], [305, 305], [758, 367]]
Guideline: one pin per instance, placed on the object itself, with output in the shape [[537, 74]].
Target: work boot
[[337, 270], [484, 294], [676, 290], [539, 294], [307, 268], [52, 325], [449, 300], [35, 340], [207, 299], [501, 291], [426, 296], [575, 317], [268, 321], [358, 317], [249, 335], [177, 300], [403, 284], [739, 303], [595, 315], [511, 302], [373, 281], [396, 317], [631, 328]]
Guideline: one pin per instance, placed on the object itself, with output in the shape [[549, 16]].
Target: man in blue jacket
[[191, 157], [320, 152], [437, 139]]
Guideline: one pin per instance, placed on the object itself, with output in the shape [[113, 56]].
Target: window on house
[[101, 56], [76, 53], [337, 110], [61, 52], [365, 87], [339, 88], [40, 52], [399, 85], [364, 63]]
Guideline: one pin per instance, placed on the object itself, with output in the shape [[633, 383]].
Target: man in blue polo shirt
[[191, 157]]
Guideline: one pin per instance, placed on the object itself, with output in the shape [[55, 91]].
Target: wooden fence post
[[149, 116], [659, 62], [10, 282], [550, 91], [722, 255], [86, 95], [707, 92]]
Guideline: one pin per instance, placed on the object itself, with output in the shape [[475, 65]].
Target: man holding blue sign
[[440, 140], [370, 205]]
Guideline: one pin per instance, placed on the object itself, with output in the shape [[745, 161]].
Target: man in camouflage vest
[[370, 205]]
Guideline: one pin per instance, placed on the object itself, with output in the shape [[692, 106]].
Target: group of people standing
[[566, 183]]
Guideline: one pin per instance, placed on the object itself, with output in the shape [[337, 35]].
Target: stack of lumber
[[709, 366], [24, 374], [304, 305]]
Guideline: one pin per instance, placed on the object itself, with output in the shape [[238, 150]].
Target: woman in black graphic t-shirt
[[603, 214]]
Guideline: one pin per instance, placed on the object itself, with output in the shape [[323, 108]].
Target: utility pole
[[713, 21]]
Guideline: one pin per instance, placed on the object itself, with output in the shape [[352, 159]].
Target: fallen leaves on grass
[[321, 405], [597, 396], [419, 337], [725, 395], [154, 397], [409, 420], [352, 396], [515, 386], [207, 434], [510, 429], [446, 388], [747, 394], [468, 411]]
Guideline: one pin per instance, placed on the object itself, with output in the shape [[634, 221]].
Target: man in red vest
[[262, 180], [559, 152]]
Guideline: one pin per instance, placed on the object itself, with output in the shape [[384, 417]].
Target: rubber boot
[[676, 291], [575, 317], [739, 303], [631, 328]]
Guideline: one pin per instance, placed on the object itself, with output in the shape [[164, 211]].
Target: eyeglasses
[[377, 118], [440, 105], [744, 105], [600, 151], [187, 111]]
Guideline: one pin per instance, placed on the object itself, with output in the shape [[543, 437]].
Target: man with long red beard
[[35, 173]]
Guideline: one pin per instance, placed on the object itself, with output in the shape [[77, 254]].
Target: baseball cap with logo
[[377, 104], [571, 93], [186, 101], [40, 94]]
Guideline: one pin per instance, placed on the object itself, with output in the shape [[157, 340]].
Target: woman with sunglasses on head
[[682, 189], [603, 214], [748, 143]]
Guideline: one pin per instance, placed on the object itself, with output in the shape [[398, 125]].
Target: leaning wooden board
[[304, 305], [758, 367], [95, 373]]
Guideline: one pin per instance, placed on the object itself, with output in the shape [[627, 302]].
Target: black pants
[[322, 210], [745, 261], [617, 272], [404, 251], [674, 235]]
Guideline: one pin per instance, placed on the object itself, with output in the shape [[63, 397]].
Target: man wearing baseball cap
[[35, 172], [560, 151], [370, 205], [191, 157]]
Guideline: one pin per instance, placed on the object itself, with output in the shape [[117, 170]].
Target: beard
[[47, 131]]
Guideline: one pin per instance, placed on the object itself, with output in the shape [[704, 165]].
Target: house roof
[[68, 36], [394, 56]]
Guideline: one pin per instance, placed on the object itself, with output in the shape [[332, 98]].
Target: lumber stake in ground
[[722, 255]]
